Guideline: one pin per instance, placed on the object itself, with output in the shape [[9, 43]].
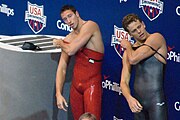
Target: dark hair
[[88, 115], [68, 7], [129, 19]]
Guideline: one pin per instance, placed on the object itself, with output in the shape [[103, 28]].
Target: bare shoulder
[[156, 36], [90, 27], [91, 24], [159, 43]]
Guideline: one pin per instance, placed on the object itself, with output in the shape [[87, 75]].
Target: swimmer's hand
[[56, 42], [124, 43], [134, 105], [61, 102]]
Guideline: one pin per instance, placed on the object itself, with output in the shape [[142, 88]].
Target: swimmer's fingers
[[119, 40], [61, 106], [138, 107], [134, 105], [66, 105], [56, 42], [135, 110], [61, 103]]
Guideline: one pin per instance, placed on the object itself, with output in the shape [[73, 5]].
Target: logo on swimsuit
[[177, 106], [8, 11], [173, 55], [160, 104], [115, 118], [119, 33], [106, 84], [178, 10], [151, 8], [35, 17], [63, 26]]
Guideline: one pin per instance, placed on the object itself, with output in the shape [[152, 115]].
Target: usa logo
[[35, 18], [119, 34], [151, 8]]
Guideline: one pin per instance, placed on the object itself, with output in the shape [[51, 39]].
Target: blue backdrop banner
[[42, 17]]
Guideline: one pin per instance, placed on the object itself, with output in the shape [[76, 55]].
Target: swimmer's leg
[[158, 111], [92, 100], [141, 115], [76, 101]]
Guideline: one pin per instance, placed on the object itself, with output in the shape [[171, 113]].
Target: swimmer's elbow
[[71, 52], [133, 61]]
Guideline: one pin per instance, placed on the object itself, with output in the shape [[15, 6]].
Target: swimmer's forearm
[[125, 90]]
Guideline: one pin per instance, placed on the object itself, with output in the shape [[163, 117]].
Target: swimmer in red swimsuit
[[85, 42]]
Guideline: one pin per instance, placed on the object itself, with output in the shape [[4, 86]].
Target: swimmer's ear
[[143, 24], [77, 14]]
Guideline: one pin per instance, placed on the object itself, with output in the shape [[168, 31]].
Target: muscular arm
[[60, 79], [155, 40], [61, 72], [134, 105], [125, 77], [79, 40]]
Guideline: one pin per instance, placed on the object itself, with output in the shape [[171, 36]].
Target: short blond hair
[[87, 115]]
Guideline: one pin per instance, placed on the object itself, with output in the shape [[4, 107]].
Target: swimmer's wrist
[[58, 94], [128, 97]]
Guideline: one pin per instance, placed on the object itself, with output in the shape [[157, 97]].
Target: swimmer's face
[[137, 30], [70, 18]]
